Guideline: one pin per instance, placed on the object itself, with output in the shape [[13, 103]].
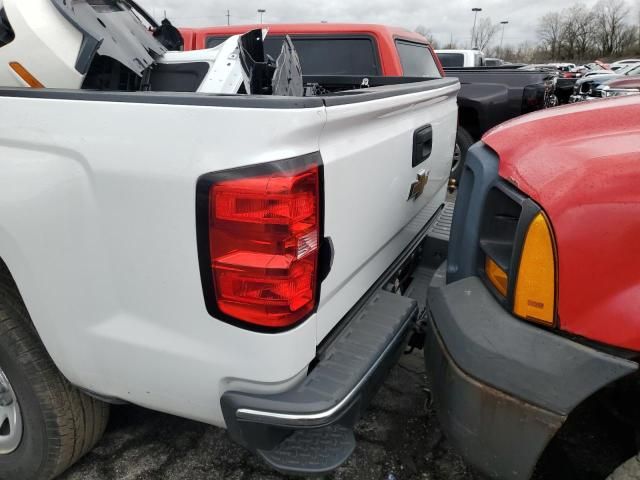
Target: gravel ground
[[398, 439]]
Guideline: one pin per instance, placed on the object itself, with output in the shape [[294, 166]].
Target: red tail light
[[262, 242]]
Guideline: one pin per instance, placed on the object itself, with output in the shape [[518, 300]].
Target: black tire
[[60, 423], [464, 141], [629, 470]]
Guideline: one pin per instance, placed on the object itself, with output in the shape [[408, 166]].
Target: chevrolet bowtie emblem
[[417, 188]]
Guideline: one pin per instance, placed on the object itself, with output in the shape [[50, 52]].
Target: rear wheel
[[47, 424], [464, 141]]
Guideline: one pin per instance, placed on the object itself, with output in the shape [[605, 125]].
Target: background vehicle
[[517, 315], [623, 63], [563, 67], [337, 49], [565, 78], [203, 266], [493, 62], [587, 87], [461, 58], [618, 87]]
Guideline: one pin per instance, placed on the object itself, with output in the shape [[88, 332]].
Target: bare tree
[[580, 33], [583, 23], [612, 29], [426, 33], [568, 40], [550, 29], [485, 33]]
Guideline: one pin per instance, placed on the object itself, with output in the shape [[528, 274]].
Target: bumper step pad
[[441, 228], [312, 452]]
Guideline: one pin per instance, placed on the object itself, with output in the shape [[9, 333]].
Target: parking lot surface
[[398, 439]]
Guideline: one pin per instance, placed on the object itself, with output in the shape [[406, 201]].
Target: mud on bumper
[[502, 387]]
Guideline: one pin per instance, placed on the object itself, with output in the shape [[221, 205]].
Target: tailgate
[[378, 149]]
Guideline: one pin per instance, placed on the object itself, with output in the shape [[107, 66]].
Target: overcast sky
[[443, 17]]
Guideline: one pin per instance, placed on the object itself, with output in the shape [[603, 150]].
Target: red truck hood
[[549, 153], [581, 164]]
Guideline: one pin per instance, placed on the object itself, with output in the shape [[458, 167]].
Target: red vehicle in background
[[537, 314]]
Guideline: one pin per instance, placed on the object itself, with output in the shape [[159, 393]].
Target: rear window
[[324, 55], [451, 60], [213, 42], [6, 32], [417, 60]]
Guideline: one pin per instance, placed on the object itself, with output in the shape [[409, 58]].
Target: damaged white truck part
[[107, 45]]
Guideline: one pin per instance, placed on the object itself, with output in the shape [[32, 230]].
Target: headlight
[[619, 92], [519, 263]]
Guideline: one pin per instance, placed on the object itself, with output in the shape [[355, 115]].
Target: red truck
[[537, 310], [488, 96], [345, 49]]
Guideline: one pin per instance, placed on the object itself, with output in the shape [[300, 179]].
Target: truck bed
[[109, 178]]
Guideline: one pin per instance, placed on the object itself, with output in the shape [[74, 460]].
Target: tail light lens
[[263, 227]]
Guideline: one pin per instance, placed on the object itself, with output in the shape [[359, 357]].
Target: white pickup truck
[[237, 259], [461, 58]]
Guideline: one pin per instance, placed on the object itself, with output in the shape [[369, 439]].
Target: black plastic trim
[[482, 359], [505, 444], [118, 34], [480, 174], [230, 100], [528, 211], [378, 93], [203, 187], [515, 356], [340, 387], [178, 77], [168, 98], [422, 145]]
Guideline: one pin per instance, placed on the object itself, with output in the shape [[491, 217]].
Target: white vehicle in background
[[253, 260], [595, 73], [461, 58], [623, 63], [563, 67], [494, 62]]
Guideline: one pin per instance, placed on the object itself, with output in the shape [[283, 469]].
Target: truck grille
[[585, 88]]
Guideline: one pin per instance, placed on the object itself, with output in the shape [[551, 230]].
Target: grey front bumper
[[503, 387]]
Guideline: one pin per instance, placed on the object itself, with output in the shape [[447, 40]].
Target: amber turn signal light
[[25, 75], [497, 276], [535, 293]]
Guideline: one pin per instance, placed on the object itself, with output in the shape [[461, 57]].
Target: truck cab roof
[[312, 28]]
